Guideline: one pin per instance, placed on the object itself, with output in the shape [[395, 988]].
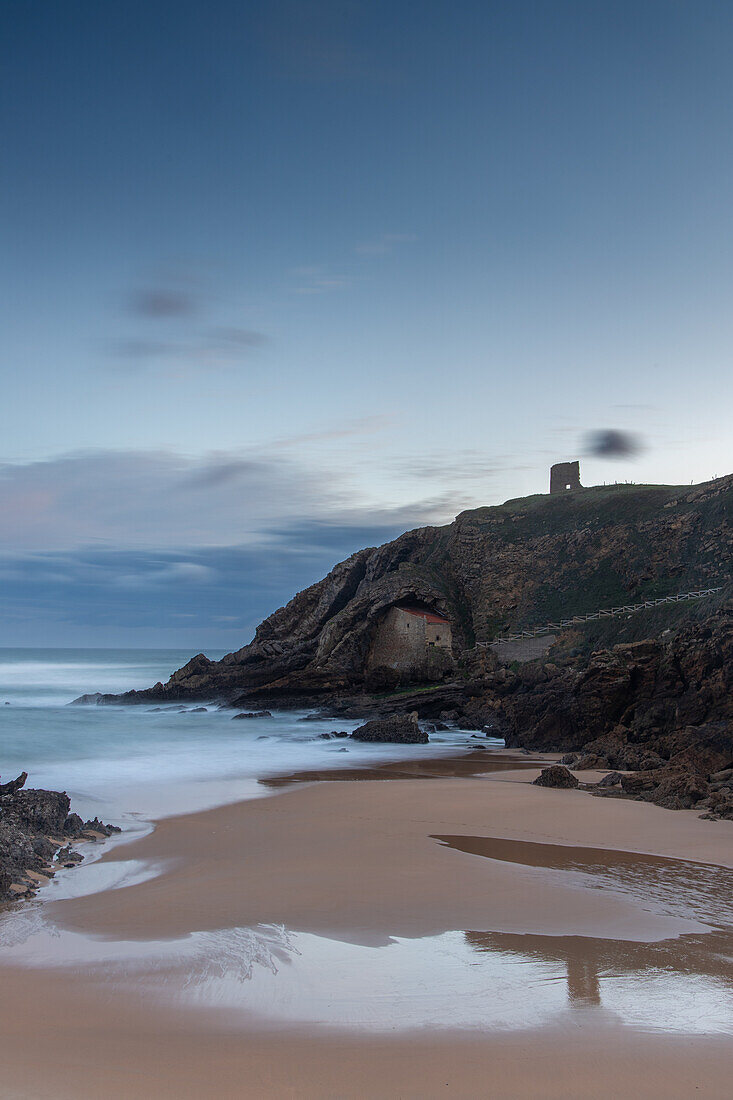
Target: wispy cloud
[[317, 279], [161, 303], [384, 244], [362, 426], [171, 336], [163, 501], [323, 41]]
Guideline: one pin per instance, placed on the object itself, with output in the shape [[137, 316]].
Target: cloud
[[155, 499], [162, 501], [612, 443], [175, 572], [317, 279], [219, 594], [133, 541], [169, 337], [363, 426], [138, 349], [384, 244], [238, 337], [216, 349], [322, 41], [162, 304]]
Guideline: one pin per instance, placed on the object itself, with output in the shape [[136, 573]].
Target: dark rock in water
[[556, 776], [198, 710], [97, 826], [68, 857], [401, 729], [613, 779], [325, 736], [253, 714], [339, 733], [94, 697]]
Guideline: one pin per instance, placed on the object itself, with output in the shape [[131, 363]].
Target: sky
[[284, 278]]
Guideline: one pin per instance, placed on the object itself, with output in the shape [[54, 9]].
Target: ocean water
[[127, 763]]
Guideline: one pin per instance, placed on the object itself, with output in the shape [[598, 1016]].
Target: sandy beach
[[375, 866]]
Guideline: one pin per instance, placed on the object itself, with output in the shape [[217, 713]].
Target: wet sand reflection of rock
[[679, 887], [587, 962]]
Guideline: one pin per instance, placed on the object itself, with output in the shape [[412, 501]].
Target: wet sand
[[362, 862], [70, 1038]]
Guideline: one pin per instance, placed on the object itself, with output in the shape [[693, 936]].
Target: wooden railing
[[603, 613]]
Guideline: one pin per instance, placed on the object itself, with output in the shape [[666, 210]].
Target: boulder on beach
[[401, 729], [556, 776]]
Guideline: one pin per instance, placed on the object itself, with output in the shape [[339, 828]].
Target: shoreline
[[359, 862]]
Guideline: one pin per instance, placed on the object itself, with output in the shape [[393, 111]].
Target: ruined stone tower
[[565, 476]]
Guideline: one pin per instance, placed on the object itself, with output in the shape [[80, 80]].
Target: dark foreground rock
[[402, 729], [557, 775], [35, 829]]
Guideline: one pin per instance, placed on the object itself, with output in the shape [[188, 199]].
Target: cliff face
[[521, 563]]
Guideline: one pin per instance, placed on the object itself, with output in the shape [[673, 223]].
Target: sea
[[145, 762]]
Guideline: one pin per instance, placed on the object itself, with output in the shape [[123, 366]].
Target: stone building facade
[[413, 644]]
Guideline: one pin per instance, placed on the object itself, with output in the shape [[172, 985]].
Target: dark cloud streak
[[162, 304], [612, 443]]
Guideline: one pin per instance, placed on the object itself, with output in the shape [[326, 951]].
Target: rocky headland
[[37, 834], [647, 696]]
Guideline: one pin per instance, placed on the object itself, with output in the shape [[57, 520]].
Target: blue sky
[[285, 278]]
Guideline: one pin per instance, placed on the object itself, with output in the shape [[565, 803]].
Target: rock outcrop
[[661, 710], [402, 729], [35, 825]]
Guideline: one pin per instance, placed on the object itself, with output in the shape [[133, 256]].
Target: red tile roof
[[428, 616]]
